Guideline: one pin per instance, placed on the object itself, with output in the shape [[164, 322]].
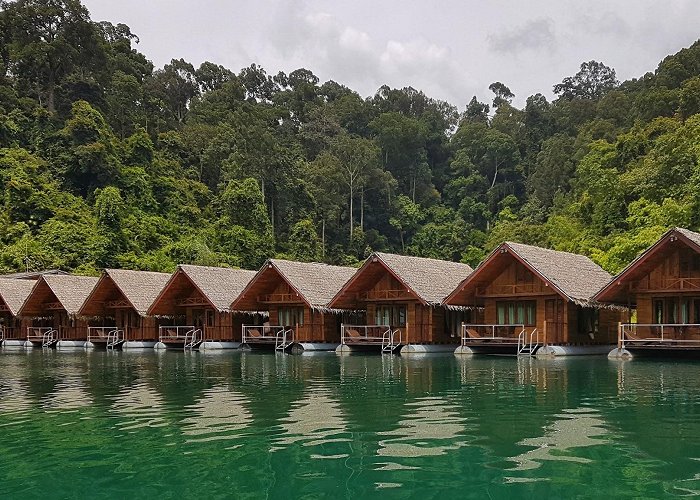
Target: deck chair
[[254, 333], [352, 333], [473, 334]]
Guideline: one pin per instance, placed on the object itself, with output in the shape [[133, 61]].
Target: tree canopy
[[106, 160]]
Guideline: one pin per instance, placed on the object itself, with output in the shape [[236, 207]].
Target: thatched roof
[[32, 275], [429, 280], [614, 292], [575, 277], [70, 291], [217, 285], [313, 282], [138, 288], [13, 292], [316, 283]]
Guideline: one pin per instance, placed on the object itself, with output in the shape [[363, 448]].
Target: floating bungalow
[[296, 297], [13, 293], [402, 297], [535, 300], [52, 309], [117, 309], [194, 308], [660, 290]]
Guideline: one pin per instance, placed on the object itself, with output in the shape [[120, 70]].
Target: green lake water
[[253, 425]]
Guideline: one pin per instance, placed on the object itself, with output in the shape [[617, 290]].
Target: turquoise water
[[249, 425]]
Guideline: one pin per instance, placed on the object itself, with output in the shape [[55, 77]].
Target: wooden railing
[[282, 298], [512, 289], [689, 284], [385, 295]]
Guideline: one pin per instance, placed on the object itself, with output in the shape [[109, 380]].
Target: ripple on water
[[69, 394], [431, 427], [140, 406], [315, 420], [221, 414], [575, 428]]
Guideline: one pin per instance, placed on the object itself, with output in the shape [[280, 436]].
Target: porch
[[277, 336], [43, 336], [107, 337], [180, 336], [659, 336], [514, 338], [386, 337]]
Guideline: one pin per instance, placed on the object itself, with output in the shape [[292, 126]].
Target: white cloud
[[533, 35]]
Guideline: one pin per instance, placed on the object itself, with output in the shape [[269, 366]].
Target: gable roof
[[139, 288], [13, 292], [429, 280], [645, 261], [218, 285], [314, 282], [32, 275], [70, 291], [575, 277]]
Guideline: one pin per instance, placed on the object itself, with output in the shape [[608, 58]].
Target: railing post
[[544, 332], [662, 333], [620, 336]]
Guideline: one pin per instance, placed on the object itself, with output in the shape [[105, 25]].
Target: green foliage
[[106, 161]]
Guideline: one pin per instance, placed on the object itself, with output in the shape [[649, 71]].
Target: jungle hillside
[[108, 161]]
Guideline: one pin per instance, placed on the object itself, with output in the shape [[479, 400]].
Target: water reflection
[[432, 428], [141, 406], [219, 415], [69, 394], [576, 428], [315, 420]]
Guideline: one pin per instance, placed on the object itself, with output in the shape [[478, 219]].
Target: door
[[554, 316]]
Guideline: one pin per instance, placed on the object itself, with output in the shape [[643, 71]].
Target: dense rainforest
[[107, 161]]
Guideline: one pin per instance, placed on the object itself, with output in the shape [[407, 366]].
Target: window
[[676, 310], [390, 315], [290, 316], [209, 317], [516, 312]]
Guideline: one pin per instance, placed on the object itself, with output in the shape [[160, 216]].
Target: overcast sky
[[450, 49]]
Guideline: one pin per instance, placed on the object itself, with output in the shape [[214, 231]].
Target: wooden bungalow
[[194, 307], [118, 307], [532, 298], [402, 297], [13, 293], [660, 290], [296, 296], [52, 309]]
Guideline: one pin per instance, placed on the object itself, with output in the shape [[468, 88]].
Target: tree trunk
[[323, 238], [351, 195], [362, 210], [51, 94]]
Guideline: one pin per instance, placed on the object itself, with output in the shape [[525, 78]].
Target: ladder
[[388, 344], [192, 339], [114, 339], [49, 338], [281, 340], [528, 345]]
